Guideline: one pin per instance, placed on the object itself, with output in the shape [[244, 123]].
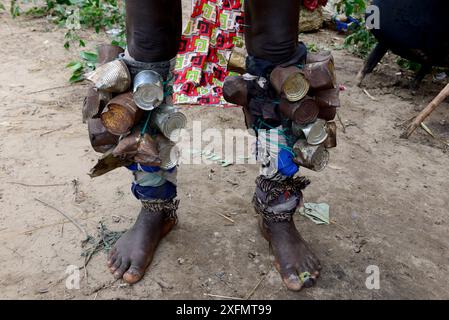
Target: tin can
[[169, 153], [331, 141], [112, 77], [321, 75], [302, 112], [108, 52], [94, 103], [237, 60], [100, 138], [311, 157], [319, 56], [290, 82], [148, 89], [169, 120], [235, 90], [121, 114], [328, 102], [315, 133]]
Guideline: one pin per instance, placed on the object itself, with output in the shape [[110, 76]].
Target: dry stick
[[54, 88], [341, 122], [68, 217], [257, 286], [222, 297], [38, 185], [369, 95], [227, 218], [58, 129], [426, 112]]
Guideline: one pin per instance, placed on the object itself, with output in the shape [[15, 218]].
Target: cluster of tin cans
[[308, 98], [117, 108]]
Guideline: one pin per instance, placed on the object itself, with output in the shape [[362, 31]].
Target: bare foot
[[297, 264], [134, 251]]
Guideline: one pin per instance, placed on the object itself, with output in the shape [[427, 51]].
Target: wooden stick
[[222, 297], [38, 185], [426, 112], [68, 217], [369, 95], [227, 218], [54, 130]]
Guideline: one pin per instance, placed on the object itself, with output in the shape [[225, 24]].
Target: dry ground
[[388, 196]]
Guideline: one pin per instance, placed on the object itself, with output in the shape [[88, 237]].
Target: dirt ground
[[388, 196]]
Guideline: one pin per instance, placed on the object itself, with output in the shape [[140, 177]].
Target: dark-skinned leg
[[153, 33], [272, 36]]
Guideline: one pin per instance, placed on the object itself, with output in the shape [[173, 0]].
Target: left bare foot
[[297, 264]]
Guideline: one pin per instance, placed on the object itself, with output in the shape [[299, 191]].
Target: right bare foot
[[134, 251]]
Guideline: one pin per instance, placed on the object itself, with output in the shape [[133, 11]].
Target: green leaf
[[67, 45], [89, 56], [76, 78], [82, 43], [2, 7], [75, 65]]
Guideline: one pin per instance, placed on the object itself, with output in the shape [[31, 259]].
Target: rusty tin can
[[112, 77], [121, 114], [328, 102], [321, 75], [100, 138], [235, 90], [290, 82], [311, 157], [302, 112], [108, 53], [319, 56], [94, 103]]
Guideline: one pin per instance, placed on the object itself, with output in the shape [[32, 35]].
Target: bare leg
[[153, 33], [272, 39]]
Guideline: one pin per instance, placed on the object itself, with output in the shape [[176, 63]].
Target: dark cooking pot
[[417, 30]]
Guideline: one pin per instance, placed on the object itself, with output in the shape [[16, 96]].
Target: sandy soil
[[388, 196]]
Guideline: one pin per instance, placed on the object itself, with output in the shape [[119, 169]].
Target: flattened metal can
[[112, 77]]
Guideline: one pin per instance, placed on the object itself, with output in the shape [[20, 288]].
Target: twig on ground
[[369, 95], [38, 185], [341, 122], [227, 218], [222, 297], [68, 217], [257, 286], [54, 88], [58, 129]]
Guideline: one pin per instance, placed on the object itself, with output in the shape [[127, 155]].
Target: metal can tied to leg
[[311, 157], [112, 77], [121, 114], [148, 90], [302, 112], [315, 133], [169, 120], [290, 82], [100, 138]]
